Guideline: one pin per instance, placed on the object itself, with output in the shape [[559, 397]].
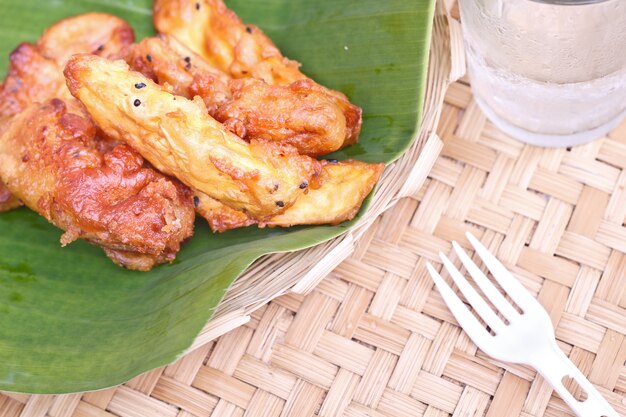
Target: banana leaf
[[72, 321]]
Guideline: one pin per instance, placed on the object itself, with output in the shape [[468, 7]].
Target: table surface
[[375, 339]]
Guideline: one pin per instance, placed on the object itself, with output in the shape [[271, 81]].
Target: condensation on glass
[[551, 73]]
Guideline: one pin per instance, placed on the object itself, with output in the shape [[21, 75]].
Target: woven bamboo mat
[[375, 339]]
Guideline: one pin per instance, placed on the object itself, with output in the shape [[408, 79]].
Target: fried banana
[[31, 78], [183, 72], [36, 71], [298, 114], [218, 35], [345, 185], [181, 139], [96, 33], [50, 161]]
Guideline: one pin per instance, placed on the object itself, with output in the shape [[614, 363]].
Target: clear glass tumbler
[[548, 72]]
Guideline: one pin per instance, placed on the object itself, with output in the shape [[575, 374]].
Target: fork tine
[[507, 281], [485, 285], [475, 299], [462, 314]]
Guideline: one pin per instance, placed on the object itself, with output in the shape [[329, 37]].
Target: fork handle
[[554, 366]]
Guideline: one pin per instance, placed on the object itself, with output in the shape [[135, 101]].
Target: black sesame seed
[[280, 204], [25, 158], [137, 102], [304, 185], [197, 6], [248, 29], [196, 200], [100, 48], [188, 62], [188, 59], [332, 161], [149, 58], [139, 85]]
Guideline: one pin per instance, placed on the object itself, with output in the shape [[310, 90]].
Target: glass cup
[[548, 72]]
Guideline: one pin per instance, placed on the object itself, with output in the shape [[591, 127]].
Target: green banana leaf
[[72, 321]]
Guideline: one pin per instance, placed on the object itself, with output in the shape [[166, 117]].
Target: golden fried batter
[[216, 33], [36, 71], [179, 138], [97, 33], [295, 114], [7, 200], [48, 158], [345, 185], [186, 74], [219, 216], [299, 114], [31, 78]]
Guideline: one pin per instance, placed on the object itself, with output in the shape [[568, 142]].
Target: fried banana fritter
[[84, 184], [295, 114], [179, 138], [31, 78], [218, 35], [36, 71], [298, 114], [345, 185], [49, 160], [184, 72], [96, 33]]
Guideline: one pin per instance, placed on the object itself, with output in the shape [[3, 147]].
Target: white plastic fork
[[528, 338]]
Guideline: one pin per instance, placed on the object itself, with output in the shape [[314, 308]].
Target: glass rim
[[569, 2]]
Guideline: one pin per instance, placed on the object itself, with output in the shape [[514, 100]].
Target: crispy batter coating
[[7, 200], [217, 34], [31, 78], [49, 159], [179, 138], [219, 216], [183, 20], [296, 114], [97, 33], [345, 185], [36, 71], [299, 114], [166, 62]]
